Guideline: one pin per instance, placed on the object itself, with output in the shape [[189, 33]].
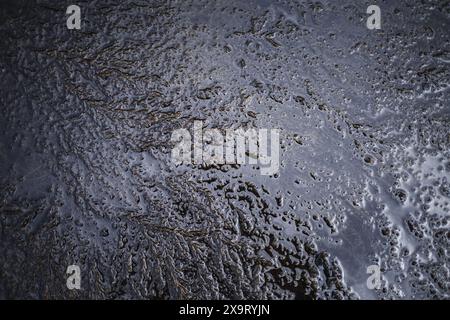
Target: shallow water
[[86, 176]]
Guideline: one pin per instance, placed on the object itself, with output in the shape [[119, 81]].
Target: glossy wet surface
[[86, 171]]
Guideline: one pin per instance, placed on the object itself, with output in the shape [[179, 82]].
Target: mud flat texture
[[86, 176]]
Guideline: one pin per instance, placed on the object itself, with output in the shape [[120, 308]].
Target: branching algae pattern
[[87, 179]]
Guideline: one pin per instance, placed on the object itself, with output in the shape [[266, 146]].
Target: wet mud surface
[[86, 176]]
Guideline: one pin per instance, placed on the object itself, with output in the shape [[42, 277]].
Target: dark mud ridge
[[362, 195]]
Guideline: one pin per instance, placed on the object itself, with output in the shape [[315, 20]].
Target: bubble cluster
[[86, 175]]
